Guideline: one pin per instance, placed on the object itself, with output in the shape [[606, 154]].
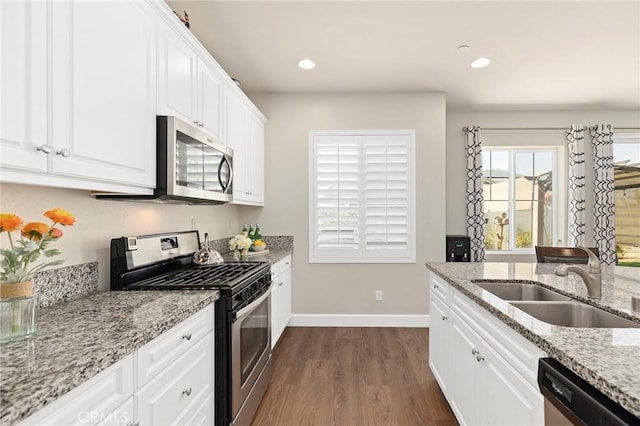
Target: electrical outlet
[[378, 295]]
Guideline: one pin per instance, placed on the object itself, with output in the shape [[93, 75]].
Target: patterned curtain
[[603, 207], [475, 209], [577, 202]]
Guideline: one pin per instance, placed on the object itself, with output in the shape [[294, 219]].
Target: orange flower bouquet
[[17, 262]]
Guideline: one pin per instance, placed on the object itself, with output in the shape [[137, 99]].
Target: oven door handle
[[247, 309]]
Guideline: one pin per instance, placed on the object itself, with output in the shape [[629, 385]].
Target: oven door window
[[254, 338]]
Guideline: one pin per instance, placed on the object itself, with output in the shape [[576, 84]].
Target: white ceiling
[[545, 54]]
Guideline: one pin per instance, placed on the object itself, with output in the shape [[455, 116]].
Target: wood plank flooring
[[351, 377]]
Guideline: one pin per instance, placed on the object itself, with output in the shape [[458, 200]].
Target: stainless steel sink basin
[[520, 291], [573, 314]]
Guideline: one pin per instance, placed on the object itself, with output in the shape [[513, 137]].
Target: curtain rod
[[546, 128]]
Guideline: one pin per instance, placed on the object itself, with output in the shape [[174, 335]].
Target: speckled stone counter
[[609, 359], [78, 339]]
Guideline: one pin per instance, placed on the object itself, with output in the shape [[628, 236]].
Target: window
[[626, 175], [361, 197], [519, 207]]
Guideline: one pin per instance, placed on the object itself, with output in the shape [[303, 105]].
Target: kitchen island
[[606, 358]]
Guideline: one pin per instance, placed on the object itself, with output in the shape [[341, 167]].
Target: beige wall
[[350, 289], [456, 165], [98, 221]]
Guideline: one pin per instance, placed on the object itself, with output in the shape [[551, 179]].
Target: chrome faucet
[[592, 278]]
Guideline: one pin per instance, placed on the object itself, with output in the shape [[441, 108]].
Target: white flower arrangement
[[240, 242]]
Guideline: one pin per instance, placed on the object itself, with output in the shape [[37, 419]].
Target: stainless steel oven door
[[250, 348]]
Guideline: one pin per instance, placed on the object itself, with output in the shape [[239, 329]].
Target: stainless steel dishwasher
[[571, 400]]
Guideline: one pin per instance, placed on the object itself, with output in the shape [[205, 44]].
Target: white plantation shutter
[[361, 197]]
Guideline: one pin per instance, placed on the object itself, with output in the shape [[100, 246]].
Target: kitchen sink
[[521, 291], [573, 314]]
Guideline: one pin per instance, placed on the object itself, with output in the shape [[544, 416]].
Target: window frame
[[558, 192], [362, 255]]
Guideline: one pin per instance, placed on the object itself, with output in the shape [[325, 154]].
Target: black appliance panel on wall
[[458, 248]]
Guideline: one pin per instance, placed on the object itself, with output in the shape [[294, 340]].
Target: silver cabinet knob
[[64, 152], [474, 351], [444, 318], [436, 287], [479, 358], [187, 391], [280, 283], [187, 336], [44, 148]]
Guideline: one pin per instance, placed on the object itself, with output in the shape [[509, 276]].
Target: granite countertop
[[272, 256], [609, 359], [80, 338]]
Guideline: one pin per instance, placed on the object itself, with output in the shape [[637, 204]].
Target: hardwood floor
[[351, 377]]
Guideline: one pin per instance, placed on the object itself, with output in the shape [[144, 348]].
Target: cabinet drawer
[[91, 402], [513, 347], [439, 287], [281, 266], [157, 355], [181, 391]]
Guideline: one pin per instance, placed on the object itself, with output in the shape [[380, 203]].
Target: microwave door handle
[[224, 185]]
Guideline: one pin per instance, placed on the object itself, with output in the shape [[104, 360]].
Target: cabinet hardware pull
[[187, 336], [133, 424], [196, 122], [64, 152], [436, 287], [479, 358], [187, 391], [280, 283], [474, 351], [44, 148], [444, 318]]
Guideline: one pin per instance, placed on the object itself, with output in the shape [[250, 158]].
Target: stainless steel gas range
[[242, 332]]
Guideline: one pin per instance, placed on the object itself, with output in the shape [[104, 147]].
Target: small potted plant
[[18, 265]]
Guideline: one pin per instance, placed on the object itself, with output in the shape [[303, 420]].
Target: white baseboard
[[312, 320]]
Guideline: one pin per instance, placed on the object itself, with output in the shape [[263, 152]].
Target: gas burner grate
[[197, 277]]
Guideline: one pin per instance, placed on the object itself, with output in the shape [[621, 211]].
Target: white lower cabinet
[[485, 370], [170, 380], [280, 298], [181, 391]]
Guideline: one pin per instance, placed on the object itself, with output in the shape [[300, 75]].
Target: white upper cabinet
[[104, 91], [23, 86], [81, 84], [245, 135], [189, 86]]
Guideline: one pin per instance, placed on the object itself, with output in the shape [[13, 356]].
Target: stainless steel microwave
[[192, 167]]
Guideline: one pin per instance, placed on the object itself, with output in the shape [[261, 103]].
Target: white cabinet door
[[507, 398], [123, 415], [280, 298], [181, 390], [439, 341], [177, 75], [245, 135], [236, 133], [464, 389], [209, 96], [103, 94], [23, 86], [255, 160]]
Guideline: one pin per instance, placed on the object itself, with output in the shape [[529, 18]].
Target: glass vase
[[18, 318]]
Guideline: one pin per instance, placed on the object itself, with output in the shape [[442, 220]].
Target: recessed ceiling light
[[306, 64], [480, 63]]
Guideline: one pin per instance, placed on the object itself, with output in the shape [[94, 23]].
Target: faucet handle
[[594, 262]]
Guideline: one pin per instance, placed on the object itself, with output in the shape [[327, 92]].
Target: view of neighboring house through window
[[626, 159], [362, 197], [519, 207]]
